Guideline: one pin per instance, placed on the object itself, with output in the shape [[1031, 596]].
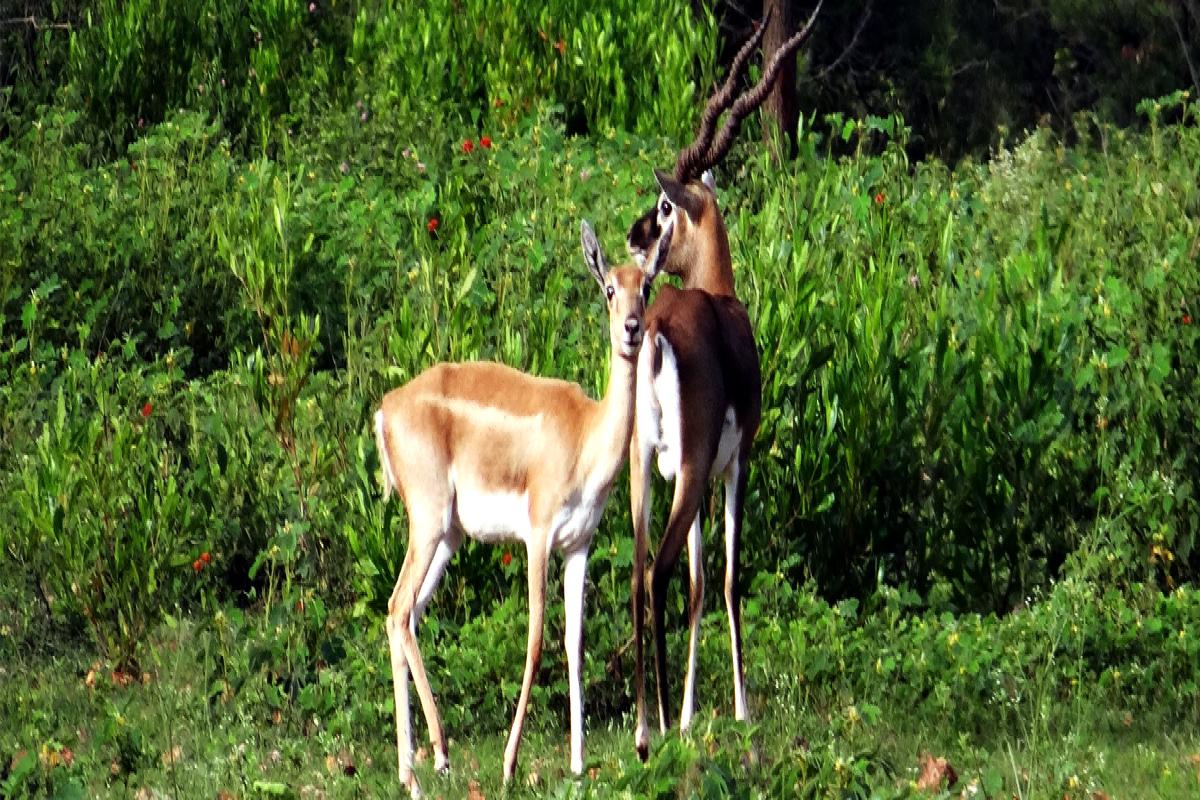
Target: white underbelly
[[492, 516]]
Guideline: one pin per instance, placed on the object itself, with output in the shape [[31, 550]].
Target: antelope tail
[[385, 460]]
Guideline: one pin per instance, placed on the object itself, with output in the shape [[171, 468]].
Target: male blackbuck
[[485, 451], [699, 389]]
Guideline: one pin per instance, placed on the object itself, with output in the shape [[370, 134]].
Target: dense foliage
[[973, 495]]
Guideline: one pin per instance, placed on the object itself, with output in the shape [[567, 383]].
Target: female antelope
[[485, 451]]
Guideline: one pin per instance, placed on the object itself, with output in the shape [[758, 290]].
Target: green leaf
[[1160, 362], [272, 788], [466, 285]]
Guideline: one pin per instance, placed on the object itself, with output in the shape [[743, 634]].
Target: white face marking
[[666, 210]]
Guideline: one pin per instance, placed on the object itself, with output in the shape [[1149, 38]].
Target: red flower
[[205, 557], [147, 409], [560, 46], [506, 559], [879, 198], [485, 142], [1187, 319], [197, 565], [468, 146], [433, 225]]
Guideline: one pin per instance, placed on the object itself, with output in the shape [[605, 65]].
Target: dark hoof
[[643, 751]]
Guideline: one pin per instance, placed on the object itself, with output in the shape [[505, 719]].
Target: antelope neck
[[608, 439], [712, 270]]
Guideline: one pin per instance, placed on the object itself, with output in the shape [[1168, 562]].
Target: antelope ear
[[678, 194], [672, 188], [708, 180], [592, 255], [656, 264]]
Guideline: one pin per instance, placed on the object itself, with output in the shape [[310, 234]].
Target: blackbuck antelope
[[699, 389], [484, 450]]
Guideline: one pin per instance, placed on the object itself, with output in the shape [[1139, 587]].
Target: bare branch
[[35, 23], [862, 23], [1183, 45]]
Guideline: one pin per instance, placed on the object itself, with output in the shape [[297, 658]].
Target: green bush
[[952, 360], [268, 69], [105, 514], [976, 379]]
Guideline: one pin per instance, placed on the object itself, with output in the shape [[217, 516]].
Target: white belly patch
[[492, 516]]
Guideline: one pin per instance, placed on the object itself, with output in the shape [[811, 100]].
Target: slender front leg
[[574, 578], [695, 611], [538, 555], [640, 492]]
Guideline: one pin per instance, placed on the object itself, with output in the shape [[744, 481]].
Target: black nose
[[632, 325]]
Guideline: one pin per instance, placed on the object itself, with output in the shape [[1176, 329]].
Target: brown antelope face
[[687, 206], [626, 289]]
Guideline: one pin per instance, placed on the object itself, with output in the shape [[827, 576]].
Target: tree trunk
[[781, 113]]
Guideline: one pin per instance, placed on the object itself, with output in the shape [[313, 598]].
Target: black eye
[[646, 291], [609, 292], [665, 208]]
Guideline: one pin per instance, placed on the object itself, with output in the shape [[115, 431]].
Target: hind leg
[[446, 549], [735, 494], [689, 490], [695, 611], [425, 538]]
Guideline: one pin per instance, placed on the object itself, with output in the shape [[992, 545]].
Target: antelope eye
[[609, 292], [666, 208], [646, 291]]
